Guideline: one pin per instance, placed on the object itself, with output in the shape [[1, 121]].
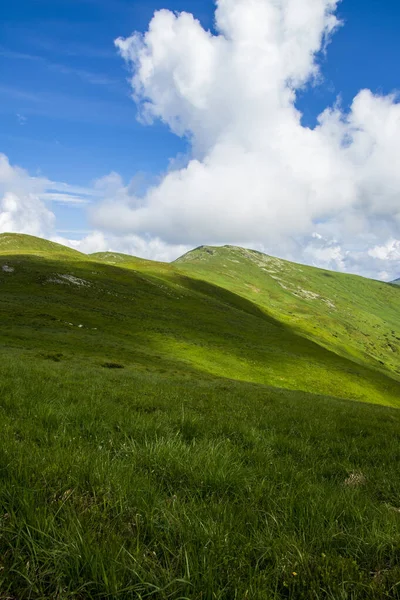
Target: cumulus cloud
[[21, 209], [150, 248], [257, 176], [389, 251], [24, 208], [25, 200]]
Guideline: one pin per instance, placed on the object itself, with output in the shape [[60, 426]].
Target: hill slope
[[225, 311], [116, 258], [350, 315], [169, 431], [158, 315], [17, 243]]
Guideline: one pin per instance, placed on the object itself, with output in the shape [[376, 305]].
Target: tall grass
[[127, 484]]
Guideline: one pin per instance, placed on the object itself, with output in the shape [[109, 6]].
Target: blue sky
[[65, 104], [66, 110]]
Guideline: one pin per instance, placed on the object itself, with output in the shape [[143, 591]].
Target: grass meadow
[[166, 437], [124, 484]]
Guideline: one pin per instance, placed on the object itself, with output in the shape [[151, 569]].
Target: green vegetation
[[12, 243], [203, 430], [352, 316]]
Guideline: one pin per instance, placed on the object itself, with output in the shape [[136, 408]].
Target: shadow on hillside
[[229, 298], [135, 309]]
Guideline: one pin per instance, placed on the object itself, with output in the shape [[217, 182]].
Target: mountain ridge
[[307, 314], [20, 243]]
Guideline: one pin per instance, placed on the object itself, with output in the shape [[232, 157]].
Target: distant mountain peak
[[204, 254]]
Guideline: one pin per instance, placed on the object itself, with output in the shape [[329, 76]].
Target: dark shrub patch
[[55, 356]]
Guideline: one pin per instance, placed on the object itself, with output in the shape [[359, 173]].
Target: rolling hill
[[126, 260], [223, 426], [350, 315], [187, 322], [17, 243]]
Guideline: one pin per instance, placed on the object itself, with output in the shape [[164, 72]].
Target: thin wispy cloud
[[62, 198], [12, 55], [86, 76], [63, 193], [19, 94], [69, 107], [74, 49], [92, 77], [74, 231], [21, 119]]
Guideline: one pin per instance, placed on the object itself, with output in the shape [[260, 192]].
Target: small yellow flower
[[294, 573]]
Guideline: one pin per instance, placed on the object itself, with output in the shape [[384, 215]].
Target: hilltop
[[116, 258], [18, 243], [223, 426], [351, 315], [127, 261]]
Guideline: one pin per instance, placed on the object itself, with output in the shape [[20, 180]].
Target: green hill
[[17, 243], [116, 258], [351, 316], [146, 310], [223, 426], [396, 281]]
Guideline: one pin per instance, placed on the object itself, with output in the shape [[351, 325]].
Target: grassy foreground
[[154, 444], [119, 484]]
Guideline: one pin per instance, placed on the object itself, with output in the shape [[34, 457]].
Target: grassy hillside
[[125, 260], [158, 315], [168, 432], [350, 315], [17, 243]]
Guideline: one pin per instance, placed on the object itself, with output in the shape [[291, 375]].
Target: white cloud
[[324, 253], [389, 251], [384, 276], [21, 209], [24, 200], [257, 176], [65, 198], [152, 249]]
